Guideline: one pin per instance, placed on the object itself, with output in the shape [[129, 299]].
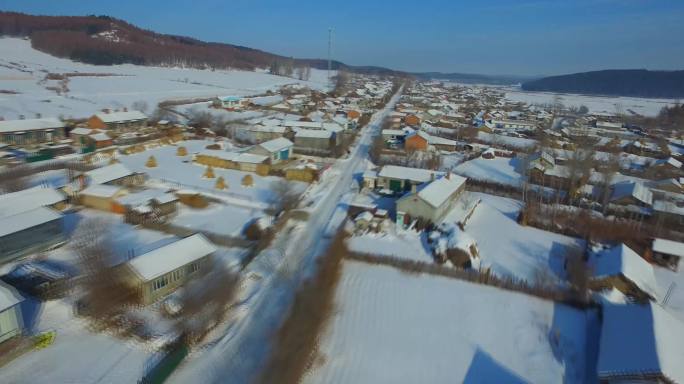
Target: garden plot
[[499, 170], [393, 327], [220, 219], [511, 249]]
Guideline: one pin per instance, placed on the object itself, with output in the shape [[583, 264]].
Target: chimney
[[125, 109], [448, 175]]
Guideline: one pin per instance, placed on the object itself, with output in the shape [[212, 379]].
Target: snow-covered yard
[[181, 172], [221, 219], [22, 68], [405, 245], [393, 327], [511, 249], [77, 355], [500, 170]]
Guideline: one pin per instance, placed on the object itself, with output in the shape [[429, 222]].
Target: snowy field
[[181, 172], [393, 327], [596, 104], [22, 70]]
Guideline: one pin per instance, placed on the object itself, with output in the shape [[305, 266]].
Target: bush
[[248, 181]]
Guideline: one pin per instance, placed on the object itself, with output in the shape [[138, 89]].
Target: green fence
[[162, 370]]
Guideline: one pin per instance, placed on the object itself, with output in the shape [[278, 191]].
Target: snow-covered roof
[[101, 190], [28, 199], [238, 157], [28, 219], [641, 340], [108, 173], [276, 145], [314, 134], [30, 124], [438, 192], [81, 131], [632, 189], [9, 296], [313, 124], [393, 132], [121, 117], [668, 247], [170, 257], [144, 197], [622, 260], [668, 207], [100, 137], [416, 175]]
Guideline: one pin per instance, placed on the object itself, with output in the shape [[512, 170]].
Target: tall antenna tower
[[330, 31]]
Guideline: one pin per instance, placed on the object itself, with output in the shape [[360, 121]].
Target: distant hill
[[617, 82], [472, 78], [103, 40]]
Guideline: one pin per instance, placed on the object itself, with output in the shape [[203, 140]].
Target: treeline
[[630, 82]]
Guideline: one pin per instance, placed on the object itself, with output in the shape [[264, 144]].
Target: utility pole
[[329, 51]]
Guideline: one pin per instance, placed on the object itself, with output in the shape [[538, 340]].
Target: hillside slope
[[103, 40], [631, 82]]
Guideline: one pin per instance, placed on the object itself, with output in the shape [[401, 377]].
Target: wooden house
[[31, 131], [125, 121], [432, 201], [623, 269], [159, 272]]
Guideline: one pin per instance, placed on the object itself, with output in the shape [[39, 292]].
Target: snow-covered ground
[[500, 170], [181, 172], [77, 354], [393, 327], [406, 245], [511, 249], [221, 219], [596, 104], [22, 68]]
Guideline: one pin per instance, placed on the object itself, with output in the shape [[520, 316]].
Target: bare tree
[[578, 273], [284, 197], [205, 301], [105, 287], [199, 119], [140, 105]]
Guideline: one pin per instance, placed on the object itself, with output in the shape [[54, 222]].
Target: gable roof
[[31, 124], [438, 192], [632, 189], [668, 247], [108, 173], [121, 117], [170, 257], [28, 219], [622, 260], [640, 340], [28, 199], [276, 145], [417, 175]]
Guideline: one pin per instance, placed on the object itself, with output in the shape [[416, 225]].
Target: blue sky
[[529, 37]]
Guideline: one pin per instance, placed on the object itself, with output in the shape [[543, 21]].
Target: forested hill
[[103, 40], [630, 82]]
